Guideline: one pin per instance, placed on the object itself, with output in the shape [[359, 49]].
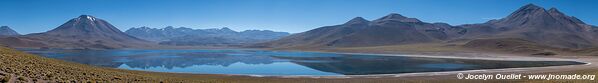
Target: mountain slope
[[530, 23], [321, 36], [389, 30], [84, 32], [155, 34], [396, 29], [6, 31], [534, 23]]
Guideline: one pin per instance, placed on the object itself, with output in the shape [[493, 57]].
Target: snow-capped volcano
[[84, 32]]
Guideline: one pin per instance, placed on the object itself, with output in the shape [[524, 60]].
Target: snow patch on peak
[[89, 17]]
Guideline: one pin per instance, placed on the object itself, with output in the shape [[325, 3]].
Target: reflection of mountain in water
[[363, 65], [190, 59], [162, 59], [360, 65]]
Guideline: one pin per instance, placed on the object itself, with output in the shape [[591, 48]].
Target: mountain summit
[[534, 23], [392, 29], [89, 26], [357, 20], [397, 17], [83, 32], [6, 31], [530, 23]]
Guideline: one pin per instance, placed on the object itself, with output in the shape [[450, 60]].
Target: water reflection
[[361, 65], [158, 58]]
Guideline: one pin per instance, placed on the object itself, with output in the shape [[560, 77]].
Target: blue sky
[[34, 16]]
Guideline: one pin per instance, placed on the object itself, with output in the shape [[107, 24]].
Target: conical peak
[[85, 16], [5, 30], [397, 17], [86, 26], [531, 6], [88, 17], [226, 29], [556, 13], [554, 10], [357, 20], [394, 16], [528, 11]]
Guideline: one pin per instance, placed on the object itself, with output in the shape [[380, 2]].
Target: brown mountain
[[534, 23], [530, 23], [84, 32], [389, 30], [320, 36]]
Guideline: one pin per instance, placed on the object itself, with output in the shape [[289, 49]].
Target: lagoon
[[266, 62]]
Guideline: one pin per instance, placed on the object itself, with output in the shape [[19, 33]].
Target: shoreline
[[451, 55]]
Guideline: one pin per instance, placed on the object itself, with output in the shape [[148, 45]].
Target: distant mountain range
[[6, 31], [183, 36], [530, 22], [83, 32]]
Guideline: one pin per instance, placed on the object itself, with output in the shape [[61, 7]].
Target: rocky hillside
[[392, 29], [548, 27], [530, 23]]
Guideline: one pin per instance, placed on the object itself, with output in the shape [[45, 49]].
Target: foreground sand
[[18, 66]]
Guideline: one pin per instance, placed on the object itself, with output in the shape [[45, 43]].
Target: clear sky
[[34, 16]]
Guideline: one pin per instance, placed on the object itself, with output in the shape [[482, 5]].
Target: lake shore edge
[[406, 76]]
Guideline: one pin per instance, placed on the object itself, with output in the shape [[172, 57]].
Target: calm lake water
[[262, 62]]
